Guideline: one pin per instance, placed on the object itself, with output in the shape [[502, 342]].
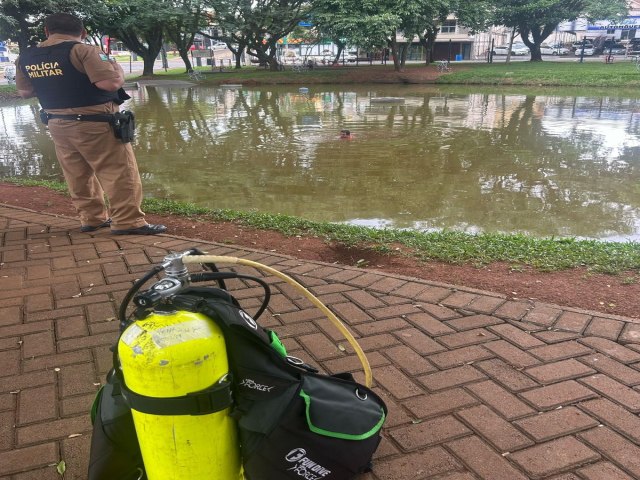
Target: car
[[503, 50], [613, 49], [519, 49], [577, 45], [633, 48], [588, 51], [351, 56], [516, 49], [555, 49]]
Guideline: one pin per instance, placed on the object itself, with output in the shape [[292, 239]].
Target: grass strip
[[622, 73], [544, 254]]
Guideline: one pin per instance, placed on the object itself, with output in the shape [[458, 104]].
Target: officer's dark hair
[[64, 23]]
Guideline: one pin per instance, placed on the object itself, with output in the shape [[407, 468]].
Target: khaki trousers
[[94, 162]]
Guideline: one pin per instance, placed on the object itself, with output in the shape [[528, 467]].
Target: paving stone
[[516, 336], [460, 356], [428, 432], [554, 457], [485, 304], [556, 423], [469, 337], [605, 328], [507, 375], [555, 336], [503, 402], [612, 368], [409, 361], [615, 447], [630, 333], [616, 391], [614, 416], [572, 321], [559, 371], [490, 426], [421, 343], [612, 349], [447, 401], [513, 310], [396, 383], [429, 324], [483, 460], [451, 378], [26, 458], [603, 471], [511, 354], [558, 394], [423, 464], [560, 351], [473, 321]]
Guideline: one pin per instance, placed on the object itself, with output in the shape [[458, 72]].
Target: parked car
[[555, 49], [351, 56], [519, 49], [503, 50], [588, 51], [613, 49], [516, 49], [577, 45]]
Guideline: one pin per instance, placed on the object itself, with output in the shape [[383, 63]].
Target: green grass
[[545, 254], [622, 73]]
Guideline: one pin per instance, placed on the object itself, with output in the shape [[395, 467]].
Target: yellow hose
[[330, 315]]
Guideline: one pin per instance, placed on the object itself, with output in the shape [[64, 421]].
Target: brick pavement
[[478, 387]]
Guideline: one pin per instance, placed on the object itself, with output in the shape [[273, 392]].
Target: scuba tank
[[169, 355], [174, 372]]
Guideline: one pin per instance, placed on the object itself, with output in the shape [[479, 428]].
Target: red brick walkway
[[478, 387]]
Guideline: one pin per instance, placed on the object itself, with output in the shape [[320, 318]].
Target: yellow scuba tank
[[169, 356]]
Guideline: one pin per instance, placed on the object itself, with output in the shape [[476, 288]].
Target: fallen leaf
[[61, 467]]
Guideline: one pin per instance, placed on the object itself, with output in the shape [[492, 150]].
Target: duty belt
[[82, 117]]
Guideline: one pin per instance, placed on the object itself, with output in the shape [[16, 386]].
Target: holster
[[124, 125]]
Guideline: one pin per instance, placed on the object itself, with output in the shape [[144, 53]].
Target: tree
[[23, 20], [535, 20], [377, 24], [259, 24], [368, 25], [138, 24], [182, 24]]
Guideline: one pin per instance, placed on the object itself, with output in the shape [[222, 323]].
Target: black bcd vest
[[56, 82]]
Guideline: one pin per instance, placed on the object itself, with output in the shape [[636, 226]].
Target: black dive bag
[[115, 453], [294, 423]]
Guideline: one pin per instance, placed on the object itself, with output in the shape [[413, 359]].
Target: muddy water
[[418, 157]]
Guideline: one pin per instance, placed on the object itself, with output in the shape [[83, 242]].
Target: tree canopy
[[258, 26]]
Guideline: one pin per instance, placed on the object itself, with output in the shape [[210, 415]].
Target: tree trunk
[[274, 66], [184, 55], [403, 54], [148, 60], [536, 55], [393, 45]]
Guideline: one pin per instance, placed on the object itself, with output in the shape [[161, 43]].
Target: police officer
[[79, 89]]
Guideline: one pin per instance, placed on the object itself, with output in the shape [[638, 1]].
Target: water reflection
[[540, 164]]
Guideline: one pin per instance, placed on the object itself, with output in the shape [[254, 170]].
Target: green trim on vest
[[343, 436]]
